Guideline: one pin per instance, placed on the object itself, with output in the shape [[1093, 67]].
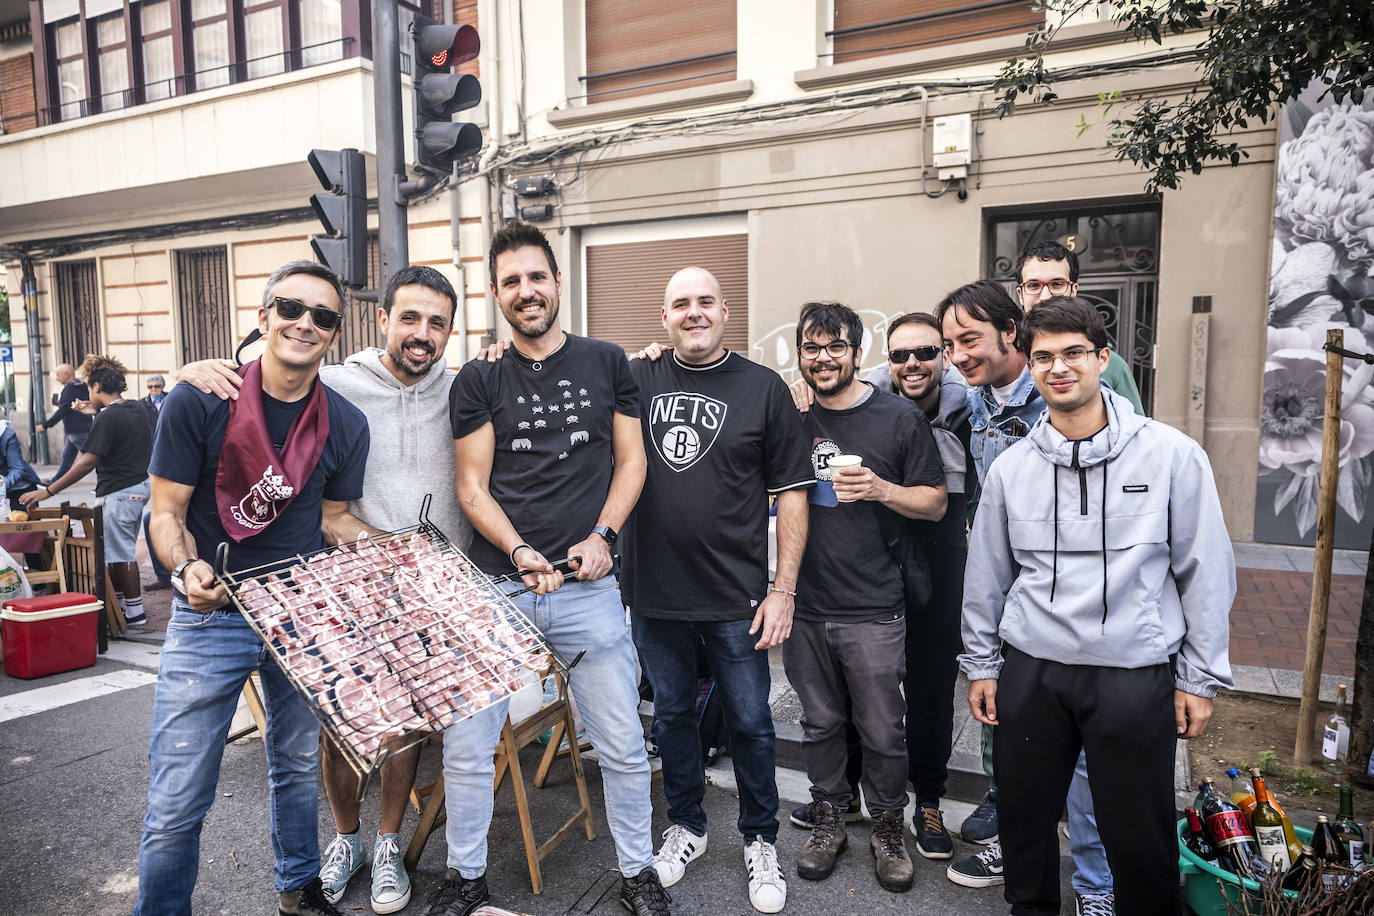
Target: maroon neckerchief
[[254, 484]]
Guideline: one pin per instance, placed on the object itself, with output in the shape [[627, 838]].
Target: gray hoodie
[[1111, 551], [412, 445], [953, 412]]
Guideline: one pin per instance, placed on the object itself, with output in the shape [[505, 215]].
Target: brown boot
[[891, 862], [817, 858]]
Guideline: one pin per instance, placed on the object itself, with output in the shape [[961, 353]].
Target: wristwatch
[[178, 582], [607, 534]]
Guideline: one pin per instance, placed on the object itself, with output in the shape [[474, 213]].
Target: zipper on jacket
[[1082, 481]]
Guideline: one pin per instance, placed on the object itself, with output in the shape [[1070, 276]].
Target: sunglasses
[[292, 309], [924, 354]]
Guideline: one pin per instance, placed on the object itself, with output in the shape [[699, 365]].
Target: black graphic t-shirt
[[553, 420], [848, 573], [719, 438]]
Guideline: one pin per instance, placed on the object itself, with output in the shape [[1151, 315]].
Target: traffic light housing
[[439, 93], [343, 213]]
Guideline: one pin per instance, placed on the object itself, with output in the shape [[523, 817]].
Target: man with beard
[[550, 463], [848, 642], [720, 434], [76, 424], [404, 393]]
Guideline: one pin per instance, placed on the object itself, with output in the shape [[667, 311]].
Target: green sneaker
[[982, 870], [390, 883], [341, 860]]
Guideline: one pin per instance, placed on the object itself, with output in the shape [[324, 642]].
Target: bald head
[[694, 314], [64, 373]]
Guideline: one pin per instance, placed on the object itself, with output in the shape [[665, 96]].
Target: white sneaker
[[680, 846], [767, 889], [390, 883]]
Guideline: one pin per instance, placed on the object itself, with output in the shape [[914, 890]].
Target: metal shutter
[[868, 28], [625, 286], [636, 47]]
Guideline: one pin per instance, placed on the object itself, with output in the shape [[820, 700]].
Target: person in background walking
[[76, 425]]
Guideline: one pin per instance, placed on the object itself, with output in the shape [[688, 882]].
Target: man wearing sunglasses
[[271, 474]]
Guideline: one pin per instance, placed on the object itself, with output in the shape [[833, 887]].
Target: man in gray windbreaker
[[1099, 582]]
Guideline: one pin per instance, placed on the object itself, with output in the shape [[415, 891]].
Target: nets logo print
[[683, 426]]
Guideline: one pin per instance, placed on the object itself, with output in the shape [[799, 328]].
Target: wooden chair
[[52, 552], [255, 709], [556, 715]]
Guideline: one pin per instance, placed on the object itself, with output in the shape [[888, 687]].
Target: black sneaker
[[981, 825], [306, 901], [932, 839], [644, 895], [804, 816], [456, 895]]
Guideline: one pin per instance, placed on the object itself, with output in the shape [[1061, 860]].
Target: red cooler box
[[49, 635]]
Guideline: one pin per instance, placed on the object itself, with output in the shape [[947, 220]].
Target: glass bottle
[[1326, 846], [1204, 788], [1289, 834], [1237, 850], [1336, 736], [1242, 792], [1303, 872], [1195, 838], [1348, 830], [1268, 826]]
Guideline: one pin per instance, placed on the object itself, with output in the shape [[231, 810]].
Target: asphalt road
[[73, 783]]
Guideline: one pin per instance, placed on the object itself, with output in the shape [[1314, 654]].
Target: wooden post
[[1321, 561]]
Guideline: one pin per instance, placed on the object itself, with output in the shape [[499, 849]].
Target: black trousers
[[933, 644], [1124, 719]]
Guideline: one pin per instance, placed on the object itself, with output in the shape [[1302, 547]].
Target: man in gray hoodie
[[1099, 583], [404, 393]]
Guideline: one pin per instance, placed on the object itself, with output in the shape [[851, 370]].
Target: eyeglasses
[[836, 348], [292, 309], [1057, 287], [154, 387], [924, 354], [1072, 357]]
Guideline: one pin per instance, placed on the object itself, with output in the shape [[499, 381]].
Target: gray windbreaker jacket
[[1111, 551]]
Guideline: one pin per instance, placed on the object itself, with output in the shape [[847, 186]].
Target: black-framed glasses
[[1056, 287], [1072, 357], [292, 309], [836, 349], [924, 354]]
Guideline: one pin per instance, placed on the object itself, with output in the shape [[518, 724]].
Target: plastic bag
[[13, 584]]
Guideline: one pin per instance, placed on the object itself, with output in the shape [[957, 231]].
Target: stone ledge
[[696, 96]]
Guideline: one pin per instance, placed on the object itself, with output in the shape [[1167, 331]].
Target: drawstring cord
[[1104, 543], [1054, 568]]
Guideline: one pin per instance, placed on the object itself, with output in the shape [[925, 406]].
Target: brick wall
[[17, 106]]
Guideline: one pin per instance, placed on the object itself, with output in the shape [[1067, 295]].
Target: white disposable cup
[[845, 461]]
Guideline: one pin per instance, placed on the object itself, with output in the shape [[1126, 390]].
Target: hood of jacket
[[954, 407], [1122, 425]]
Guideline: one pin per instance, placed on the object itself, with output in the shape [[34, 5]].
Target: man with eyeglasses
[[1099, 582], [271, 474], [1048, 269], [847, 651]]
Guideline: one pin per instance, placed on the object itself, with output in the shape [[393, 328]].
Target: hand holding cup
[[847, 476]]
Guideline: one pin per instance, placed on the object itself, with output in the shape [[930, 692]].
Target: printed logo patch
[[1136, 488], [683, 426]]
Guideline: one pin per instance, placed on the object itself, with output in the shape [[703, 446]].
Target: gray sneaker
[[982, 870], [342, 859], [390, 883], [817, 858]]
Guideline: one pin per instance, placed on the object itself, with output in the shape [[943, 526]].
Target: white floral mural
[[1321, 277]]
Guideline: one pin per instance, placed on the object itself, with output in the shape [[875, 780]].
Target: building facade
[[791, 147]]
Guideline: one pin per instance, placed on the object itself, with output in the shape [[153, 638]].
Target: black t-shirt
[[718, 439], [123, 438], [848, 573], [190, 431], [553, 422]]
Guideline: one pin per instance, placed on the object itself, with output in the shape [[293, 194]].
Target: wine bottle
[[1268, 825], [1336, 736], [1326, 846], [1289, 834], [1195, 838], [1304, 871], [1348, 830], [1237, 850], [1242, 792]]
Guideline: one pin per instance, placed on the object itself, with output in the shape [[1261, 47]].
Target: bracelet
[[782, 591], [520, 546]]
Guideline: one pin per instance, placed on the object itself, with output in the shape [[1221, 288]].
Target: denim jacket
[[997, 427]]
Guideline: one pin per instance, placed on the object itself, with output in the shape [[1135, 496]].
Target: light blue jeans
[[580, 616], [1091, 874], [205, 660]]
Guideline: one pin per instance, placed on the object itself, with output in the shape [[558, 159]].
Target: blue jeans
[[580, 616], [72, 447], [668, 650], [205, 661], [1092, 874]]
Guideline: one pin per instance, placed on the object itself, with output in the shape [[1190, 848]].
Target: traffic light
[[343, 212], [439, 142]]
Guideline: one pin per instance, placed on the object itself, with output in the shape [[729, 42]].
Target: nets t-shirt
[[553, 422], [186, 448], [718, 438], [848, 573], [123, 438]]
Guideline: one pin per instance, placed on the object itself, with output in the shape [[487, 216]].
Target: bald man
[[721, 435], [75, 424]]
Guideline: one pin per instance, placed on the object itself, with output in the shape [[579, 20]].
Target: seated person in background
[[20, 477]]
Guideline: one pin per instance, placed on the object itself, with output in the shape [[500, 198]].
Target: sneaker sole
[[973, 880], [987, 842], [934, 855], [393, 907], [812, 874], [762, 909]]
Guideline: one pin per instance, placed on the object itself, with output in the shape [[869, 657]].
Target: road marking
[[131, 652], [42, 699]]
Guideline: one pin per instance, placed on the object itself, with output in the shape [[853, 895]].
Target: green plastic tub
[[1207, 888]]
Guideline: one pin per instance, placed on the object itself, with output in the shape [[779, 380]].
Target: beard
[[539, 327], [404, 362], [844, 374]]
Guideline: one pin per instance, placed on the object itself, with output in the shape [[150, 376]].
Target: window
[[321, 31], [868, 28], [112, 47], [265, 33], [159, 62], [636, 47], [71, 70], [78, 310], [210, 42], [207, 327]]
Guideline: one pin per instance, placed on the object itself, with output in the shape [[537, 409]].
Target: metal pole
[[36, 408], [1321, 561], [386, 99]]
